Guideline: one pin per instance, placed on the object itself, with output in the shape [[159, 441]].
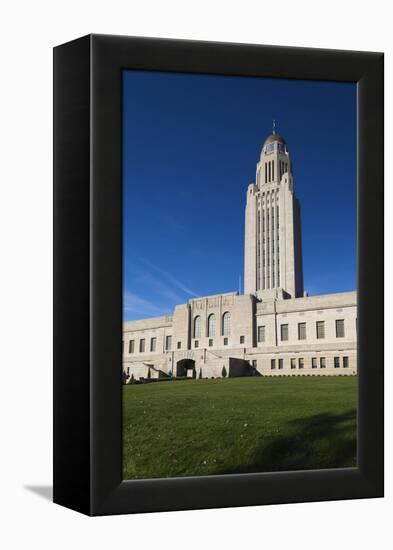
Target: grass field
[[201, 427]]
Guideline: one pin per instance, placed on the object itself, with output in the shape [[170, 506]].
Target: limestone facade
[[274, 328], [272, 247]]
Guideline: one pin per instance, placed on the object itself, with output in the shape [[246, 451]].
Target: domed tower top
[[274, 137], [274, 160]]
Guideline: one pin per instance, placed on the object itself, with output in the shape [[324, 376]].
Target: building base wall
[[246, 362]]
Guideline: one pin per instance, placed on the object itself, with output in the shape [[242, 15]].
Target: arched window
[[211, 325], [197, 327], [226, 324]]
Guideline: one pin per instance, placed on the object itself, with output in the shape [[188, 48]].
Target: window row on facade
[[316, 362], [211, 325], [225, 331], [211, 342], [152, 344], [140, 346], [269, 170], [318, 328]]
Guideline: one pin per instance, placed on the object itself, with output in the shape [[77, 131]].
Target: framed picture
[[218, 275]]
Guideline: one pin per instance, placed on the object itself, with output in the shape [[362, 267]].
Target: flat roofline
[[163, 320], [233, 293]]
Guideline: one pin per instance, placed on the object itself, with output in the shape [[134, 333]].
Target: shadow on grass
[[321, 441]]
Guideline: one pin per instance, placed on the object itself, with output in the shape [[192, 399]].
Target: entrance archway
[[186, 368]]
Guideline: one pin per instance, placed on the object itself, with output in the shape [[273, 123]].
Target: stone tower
[[273, 267]]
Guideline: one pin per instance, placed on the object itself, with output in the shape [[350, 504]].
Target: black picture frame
[[88, 274]]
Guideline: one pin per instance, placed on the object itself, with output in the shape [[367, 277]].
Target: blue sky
[[190, 148]]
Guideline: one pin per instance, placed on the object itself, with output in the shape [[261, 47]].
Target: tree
[[224, 372]]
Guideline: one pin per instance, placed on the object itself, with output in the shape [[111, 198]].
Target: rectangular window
[[345, 362], [320, 329], [340, 331], [293, 363], [314, 363], [178, 345], [281, 363], [322, 362], [261, 334], [168, 342], [131, 346], [284, 333], [301, 329], [142, 345], [242, 339], [301, 363], [225, 341], [336, 362], [210, 342], [153, 344], [273, 364], [196, 344]]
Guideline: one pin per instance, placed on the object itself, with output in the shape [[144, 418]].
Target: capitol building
[[274, 328]]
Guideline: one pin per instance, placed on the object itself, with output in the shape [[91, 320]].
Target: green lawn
[[201, 427]]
